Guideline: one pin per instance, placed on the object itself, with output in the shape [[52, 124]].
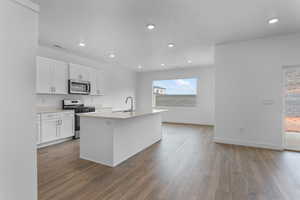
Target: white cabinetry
[[67, 125], [52, 76], [56, 126], [97, 82], [93, 81], [60, 77], [38, 127], [49, 127], [79, 72], [100, 83], [43, 78]]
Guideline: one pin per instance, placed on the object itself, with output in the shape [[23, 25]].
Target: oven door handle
[[88, 87]]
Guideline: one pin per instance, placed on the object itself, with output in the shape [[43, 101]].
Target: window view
[[292, 108], [176, 92]]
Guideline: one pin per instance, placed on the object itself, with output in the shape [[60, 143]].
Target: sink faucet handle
[[131, 101]]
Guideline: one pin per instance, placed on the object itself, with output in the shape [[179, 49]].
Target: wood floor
[[185, 165]]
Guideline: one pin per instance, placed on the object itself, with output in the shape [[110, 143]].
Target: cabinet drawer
[[49, 116], [68, 114]]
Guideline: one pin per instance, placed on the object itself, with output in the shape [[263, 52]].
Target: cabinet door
[[60, 77], [38, 127], [93, 80], [43, 75], [67, 125], [78, 72], [85, 72], [74, 71], [49, 130], [100, 83]]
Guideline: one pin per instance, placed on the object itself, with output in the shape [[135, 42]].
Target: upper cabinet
[[60, 77], [97, 82], [79, 72], [100, 83], [52, 76]]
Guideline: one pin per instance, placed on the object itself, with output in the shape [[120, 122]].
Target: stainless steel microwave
[[79, 87]]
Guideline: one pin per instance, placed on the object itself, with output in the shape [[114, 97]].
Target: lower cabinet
[[55, 126], [49, 130], [38, 127], [66, 127]]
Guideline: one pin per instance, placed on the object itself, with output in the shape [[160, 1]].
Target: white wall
[[248, 79], [203, 113], [18, 39], [119, 83]]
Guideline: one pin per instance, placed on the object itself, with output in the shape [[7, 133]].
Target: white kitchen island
[[110, 138]]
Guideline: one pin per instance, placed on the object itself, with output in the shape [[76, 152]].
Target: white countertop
[[40, 110], [120, 114]]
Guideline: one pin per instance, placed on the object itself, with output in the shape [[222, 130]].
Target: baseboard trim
[[181, 123], [42, 145], [95, 161], [248, 144]]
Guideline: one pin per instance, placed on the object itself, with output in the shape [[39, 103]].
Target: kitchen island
[[110, 138]]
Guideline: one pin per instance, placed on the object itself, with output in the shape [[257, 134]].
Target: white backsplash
[[55, 101]]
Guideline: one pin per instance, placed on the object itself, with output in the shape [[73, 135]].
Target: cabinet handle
[[57, 132]]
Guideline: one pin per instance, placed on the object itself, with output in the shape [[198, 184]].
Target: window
[[176, 92]]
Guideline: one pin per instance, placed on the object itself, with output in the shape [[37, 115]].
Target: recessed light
[[112, 55], [150, 26], [273, 21], [171, 45], [81, 44], [162, 64], [140, 67], [189, 61]]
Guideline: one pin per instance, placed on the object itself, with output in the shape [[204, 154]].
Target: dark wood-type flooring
[[185, 165]]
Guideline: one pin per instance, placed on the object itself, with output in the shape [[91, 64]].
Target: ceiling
[[194, 26]]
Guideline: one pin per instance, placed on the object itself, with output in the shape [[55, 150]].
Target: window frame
[[178, 106]]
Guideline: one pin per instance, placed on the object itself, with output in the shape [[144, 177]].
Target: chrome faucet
[[131, 100]]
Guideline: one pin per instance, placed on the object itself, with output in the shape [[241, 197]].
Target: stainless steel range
[[78, 107]]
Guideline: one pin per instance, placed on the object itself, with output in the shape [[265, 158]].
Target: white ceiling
[[194, 26]]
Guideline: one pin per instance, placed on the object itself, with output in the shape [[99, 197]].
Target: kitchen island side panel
[[96, 140], [133, 135]]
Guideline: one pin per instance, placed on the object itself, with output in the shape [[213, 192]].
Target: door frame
[[284, 69]]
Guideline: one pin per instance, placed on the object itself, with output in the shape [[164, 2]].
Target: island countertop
[[121, 114]]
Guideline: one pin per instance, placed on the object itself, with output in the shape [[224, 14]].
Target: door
[[43, 75], [49, 130], [67, 125], [60, 77], [292, 108]]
